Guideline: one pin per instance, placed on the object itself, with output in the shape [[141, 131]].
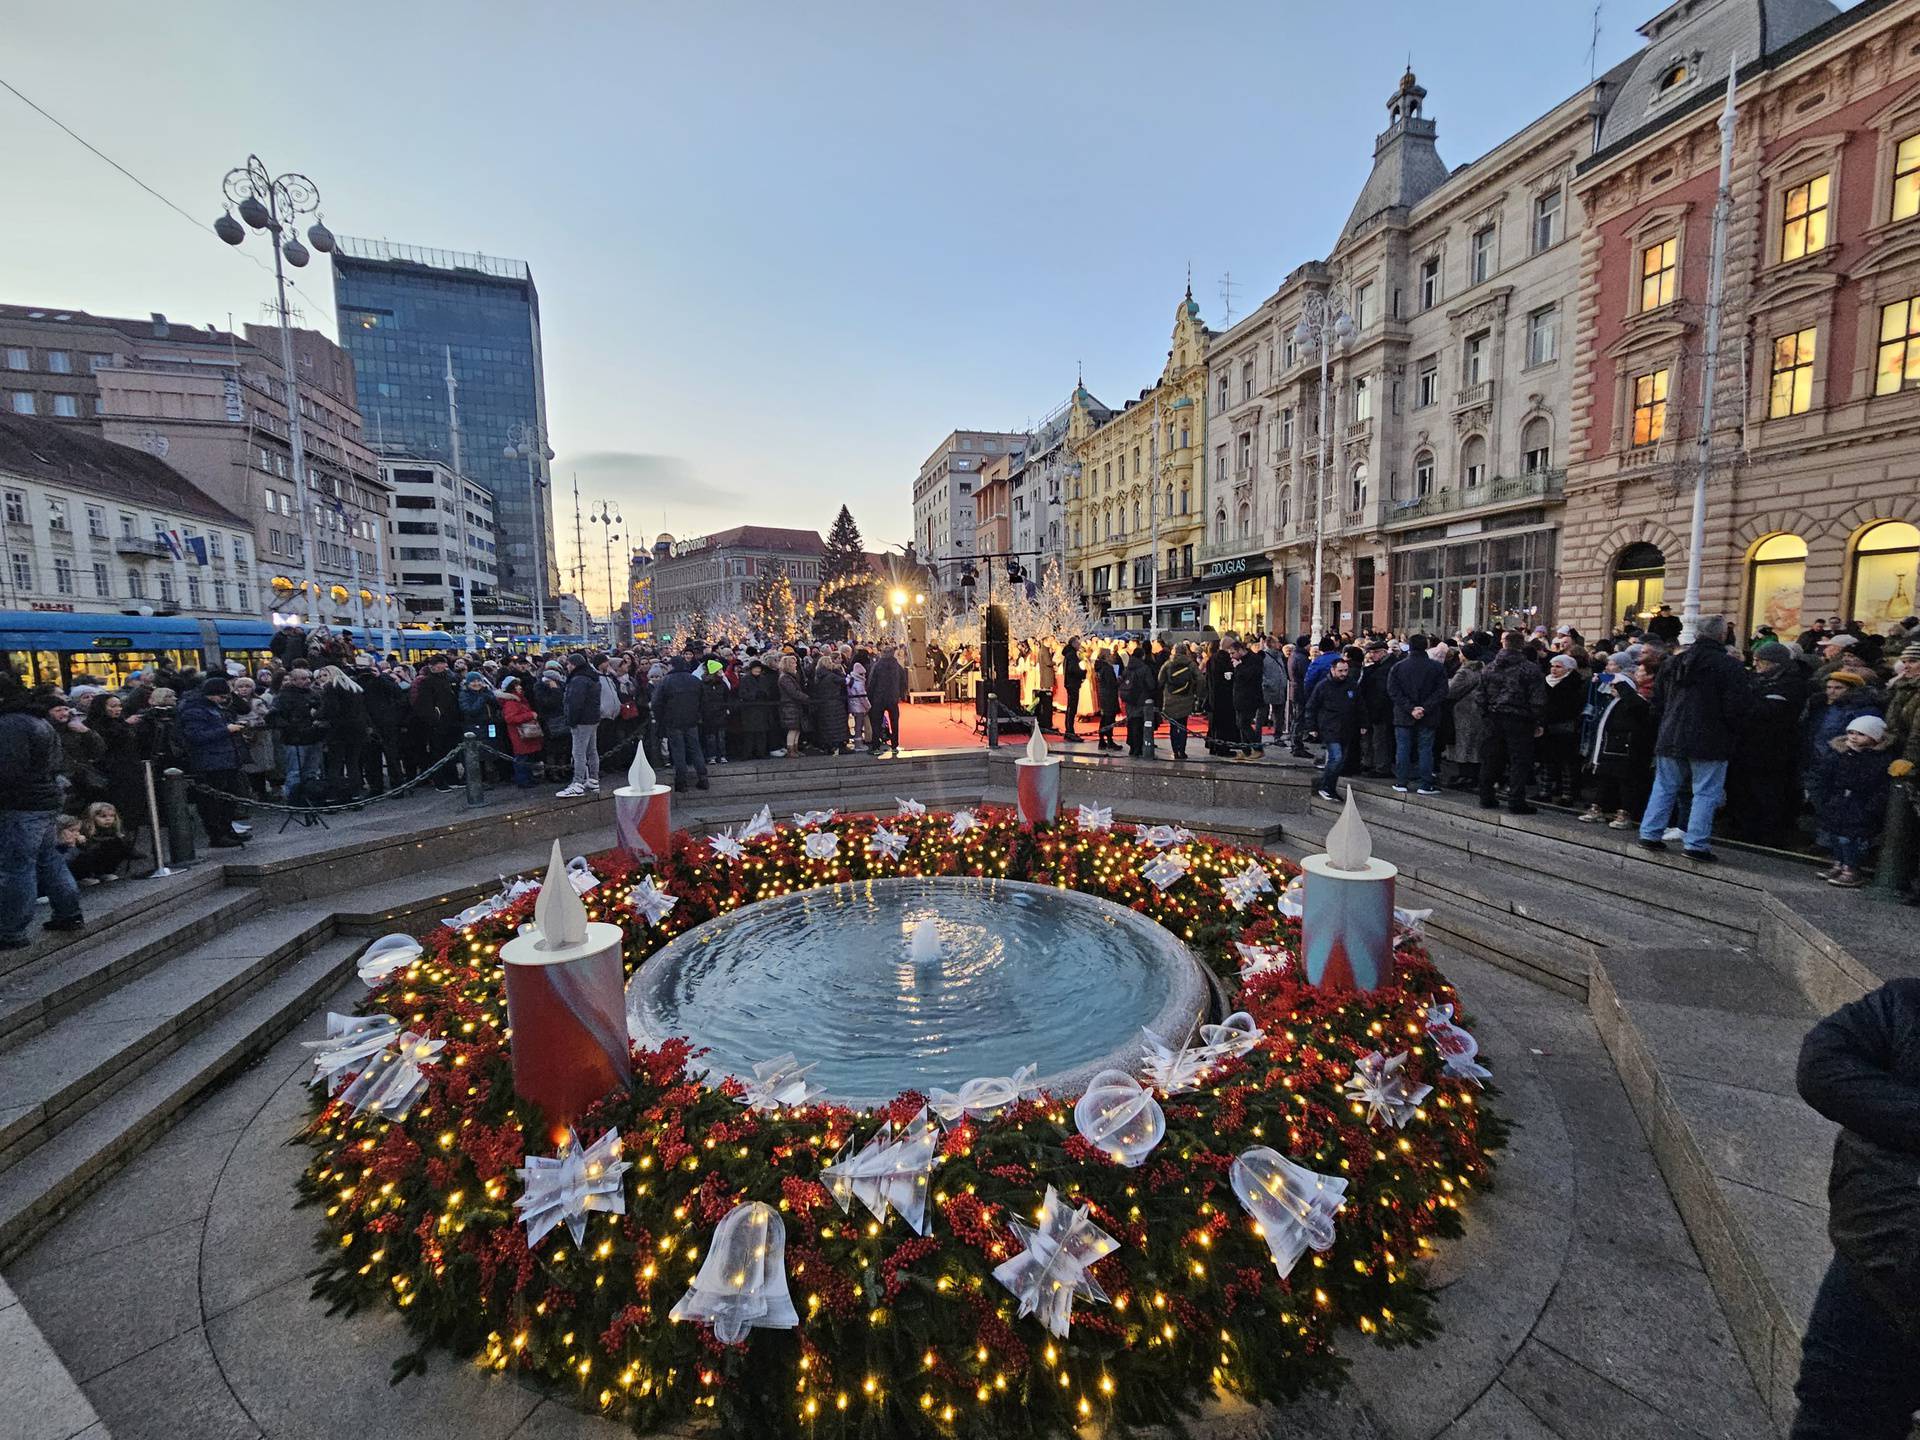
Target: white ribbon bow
[[1053, 1269], [910, 807], [889, 1173], [564, 1187], [1176, 1069], [352, 1040], [761, 824], [1261, 960], [580, 873], [890, 843], [1162, 837], [1165, 869], [777, 1083], [1096, 817], [1120, 1115], [821, 844], [1383, 1087], [1242, 889], [1458, 1049], [728, 844], [392, 1081], [982, 1096], [1412, 921], [650, 900], [1292, 1205], [742, 1284], [386, 956], [813, 817], [963, 821], [1291, 901]]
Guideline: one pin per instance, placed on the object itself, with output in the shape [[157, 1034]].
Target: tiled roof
[[67, 455]]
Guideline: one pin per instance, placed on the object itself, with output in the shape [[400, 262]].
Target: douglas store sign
[[1241, 567]]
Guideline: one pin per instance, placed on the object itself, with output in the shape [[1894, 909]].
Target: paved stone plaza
[[1640, 1269]]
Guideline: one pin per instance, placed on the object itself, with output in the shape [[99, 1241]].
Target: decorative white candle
[[1346, 926], [1037, 782], [642, 813]]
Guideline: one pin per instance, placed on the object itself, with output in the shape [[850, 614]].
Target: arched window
[[1246, 520], [1168, 509], [1422, 474], [1136, 512], [1185, 500], [1886, 572], [1536, 445], [1639, 583], [1673, 76], [1286, 506], [1473, 462], [1776, 583], [1220, 526], [1357, 487]]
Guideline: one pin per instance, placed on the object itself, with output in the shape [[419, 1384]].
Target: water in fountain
[[925, 945]]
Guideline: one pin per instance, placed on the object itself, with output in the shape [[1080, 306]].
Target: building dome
[[662, 543]]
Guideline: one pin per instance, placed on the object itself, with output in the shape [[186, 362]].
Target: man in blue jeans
[[1417, 689], [1700, 702], [1333, 712], [30, 861]]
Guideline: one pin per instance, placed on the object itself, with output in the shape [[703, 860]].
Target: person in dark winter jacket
[[1375, 671], [208, 731], [1073, 675], [1179, 690], [1621, 753], [437, 706], [759, 705], [1106, 692], [1853, 797], [1560, 729], [1136, 689], [1763, 780], [295, 714], [1860, 1067], [716, 705], [1298, 664], [676, 714], [1417, 692], [828, 694], [1700, 703], [1249, 679], [344, 709], [1223, 726], [30, 858], [794, 703], [1512, 695], [886, 688], [1335, 714], [582, 709], [381, 764]]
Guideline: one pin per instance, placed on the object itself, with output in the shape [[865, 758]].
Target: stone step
[[1707, 1054], [108, 906], [1585, 855], [54, 1078], [1537, 925], [113, 955], [56, 1175], [1239, 827]]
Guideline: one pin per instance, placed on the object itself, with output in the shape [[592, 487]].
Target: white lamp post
[[1324, 323], [527, 441]]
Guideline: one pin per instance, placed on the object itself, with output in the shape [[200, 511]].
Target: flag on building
[[197, 548], [171, 538]]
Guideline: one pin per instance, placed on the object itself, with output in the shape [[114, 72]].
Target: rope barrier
[[403, 788]]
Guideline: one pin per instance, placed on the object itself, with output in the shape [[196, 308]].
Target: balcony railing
[[1505, 490], [138, 545], [1468, 396]]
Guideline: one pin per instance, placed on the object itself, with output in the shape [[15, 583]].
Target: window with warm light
[[1791, 390], [1650, 406], [1675, 76], [1658, 270], [1776, 583], [1897, 364], [1906, 180], [1803, 224]]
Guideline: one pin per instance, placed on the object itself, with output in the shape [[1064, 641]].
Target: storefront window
[[1886, 573], [1639, 584], [1499, 580], [1242, 609], [1776, 583]]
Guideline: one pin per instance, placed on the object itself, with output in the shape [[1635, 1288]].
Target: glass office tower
[[401, 308]]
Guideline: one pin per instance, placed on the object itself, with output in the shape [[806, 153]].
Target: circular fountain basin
[[1027, 974]]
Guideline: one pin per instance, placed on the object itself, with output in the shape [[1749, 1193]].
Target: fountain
[[992, 975], [924, 947]]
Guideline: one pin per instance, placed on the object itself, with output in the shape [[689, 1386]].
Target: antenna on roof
[[1593, 47], [1226, 298]]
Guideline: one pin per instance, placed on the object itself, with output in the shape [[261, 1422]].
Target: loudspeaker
[[993, 647], [920, 674]]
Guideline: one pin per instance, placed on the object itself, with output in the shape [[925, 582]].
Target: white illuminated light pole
[[1709, 367], [1323, 322], [272, 203], [527, 441], [609, 517]]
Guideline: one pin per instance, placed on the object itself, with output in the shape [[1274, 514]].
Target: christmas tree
[[772, 609], [846, 585]]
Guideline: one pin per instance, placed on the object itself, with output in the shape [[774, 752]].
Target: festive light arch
[[900, 1333]]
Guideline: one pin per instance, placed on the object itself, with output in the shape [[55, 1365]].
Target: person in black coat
[[1620, 753], [1512, 695], [1106, 692], [1417, 697], [759, 709], [1701, 701], [1860, 1067], [1136, 689], [1248, 698], [828, 693], [381, 764], [1297, 664], [886, 688], [1379, 662], [343, 710], [1335, 713], [676, 714], [1560, 726], [436, 705], [1223, 725], [1073, 675], [1763, 783]]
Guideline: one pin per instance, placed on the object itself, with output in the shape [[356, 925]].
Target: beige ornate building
[[1814, 496], [1136, 503], [1448, 405]]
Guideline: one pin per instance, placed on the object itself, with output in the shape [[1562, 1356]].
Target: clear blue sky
[[781, 250]]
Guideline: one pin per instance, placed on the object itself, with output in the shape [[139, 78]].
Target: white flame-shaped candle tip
[[640, 774], [557, 911], [924, 948], [1037, 747], [1349, 846]]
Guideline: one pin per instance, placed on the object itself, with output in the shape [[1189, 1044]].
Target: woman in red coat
[[523, 732]]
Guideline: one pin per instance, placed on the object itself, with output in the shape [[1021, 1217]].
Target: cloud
[[658, 481]]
